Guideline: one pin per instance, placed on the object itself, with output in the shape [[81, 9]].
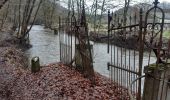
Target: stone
[[35, 64]]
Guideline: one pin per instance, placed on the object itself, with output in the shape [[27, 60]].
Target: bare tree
[[49, 8], [19, 21], [23, 34], [99, 24], [95, 14], [126, 7], [3, 2], [4, 16]]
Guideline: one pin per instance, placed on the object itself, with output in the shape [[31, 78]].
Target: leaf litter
[[53, 82]]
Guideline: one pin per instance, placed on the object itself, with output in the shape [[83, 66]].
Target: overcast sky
[[89, 2], [165, 0], [117, 2], [121, 2]]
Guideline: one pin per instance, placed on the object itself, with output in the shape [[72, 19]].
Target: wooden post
[[156, 86], [35, 64]]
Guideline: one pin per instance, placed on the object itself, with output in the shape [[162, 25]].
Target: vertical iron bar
[[126, 84], [72, 32], [114, 51], [111, 60], [74, 42], [59, 35], [129, 74], [134, 70], [134, 53], [67, 40], [135, 76], [111, 54], [108, 31], [121, 81], [117, 64], [119, 78], [69, 45], [140, 53], [65, 49], [61, 41]]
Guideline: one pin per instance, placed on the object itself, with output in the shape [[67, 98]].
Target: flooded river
[[46, 45]]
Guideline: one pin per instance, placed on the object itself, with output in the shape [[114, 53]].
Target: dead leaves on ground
[[59, 82], [53, 82]]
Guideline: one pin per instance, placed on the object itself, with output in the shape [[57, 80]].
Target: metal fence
[[132, 38], [67, 41], [124, 58], [75, 45], [128, 38]]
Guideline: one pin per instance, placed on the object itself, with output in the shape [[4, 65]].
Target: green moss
[[159, 66], [166, 34]]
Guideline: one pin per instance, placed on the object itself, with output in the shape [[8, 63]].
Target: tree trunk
[[5, 15], [1, 5], [28, 9]]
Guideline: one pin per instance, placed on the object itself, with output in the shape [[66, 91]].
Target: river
[[45, 45]]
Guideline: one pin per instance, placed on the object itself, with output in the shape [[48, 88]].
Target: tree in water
[[48, 12], [25, 17]]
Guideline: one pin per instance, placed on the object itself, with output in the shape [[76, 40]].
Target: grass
[[166, 34]]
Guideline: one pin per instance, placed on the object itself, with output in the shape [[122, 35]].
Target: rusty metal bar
[[111, 60], [115, 16], [60, 35], [124, 27], [140, 54], [109, 20], [121, 67], [131, 71], [134, 53], [71, 40], [119, 85], [130, 26]]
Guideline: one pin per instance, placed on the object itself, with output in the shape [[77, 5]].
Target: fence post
[[141, 47], [156, 78]]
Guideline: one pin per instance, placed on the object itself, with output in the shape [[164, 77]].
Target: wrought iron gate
[[130, 42], [126, 62], [74, 43], [67, 40]]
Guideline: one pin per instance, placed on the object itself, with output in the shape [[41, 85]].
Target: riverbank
[[117, 39], [54, 81], [131, 41]]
